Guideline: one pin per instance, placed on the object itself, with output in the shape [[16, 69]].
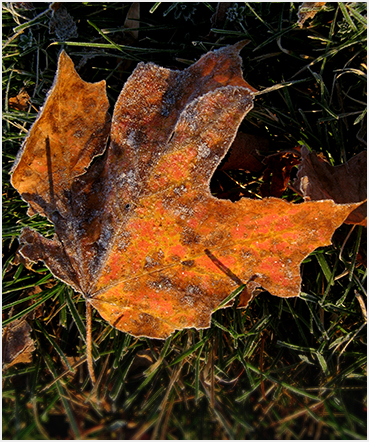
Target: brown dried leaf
[[21, 101], [308, 10], [17, 343], [277, 174], [318, 180], [132, 20], [62, 23], [219, 17], [138, 232]]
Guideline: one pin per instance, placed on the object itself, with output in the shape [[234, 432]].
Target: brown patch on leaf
[[318, 180]]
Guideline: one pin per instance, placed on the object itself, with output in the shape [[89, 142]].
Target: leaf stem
[[89, 343]]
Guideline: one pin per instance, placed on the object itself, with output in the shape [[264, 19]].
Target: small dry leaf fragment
[[24, 5], [17, 343], [138, 232], [308, 10], [346, 183], [219, 17], [132, 20], [142, 361], [62, 23], [277, 174], [21, 101]]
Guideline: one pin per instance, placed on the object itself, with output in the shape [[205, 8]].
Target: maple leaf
[[137, 231]]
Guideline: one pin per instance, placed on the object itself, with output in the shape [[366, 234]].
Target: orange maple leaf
[[138, 232]]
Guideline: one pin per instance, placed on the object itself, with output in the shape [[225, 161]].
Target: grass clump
[[282, 368]]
